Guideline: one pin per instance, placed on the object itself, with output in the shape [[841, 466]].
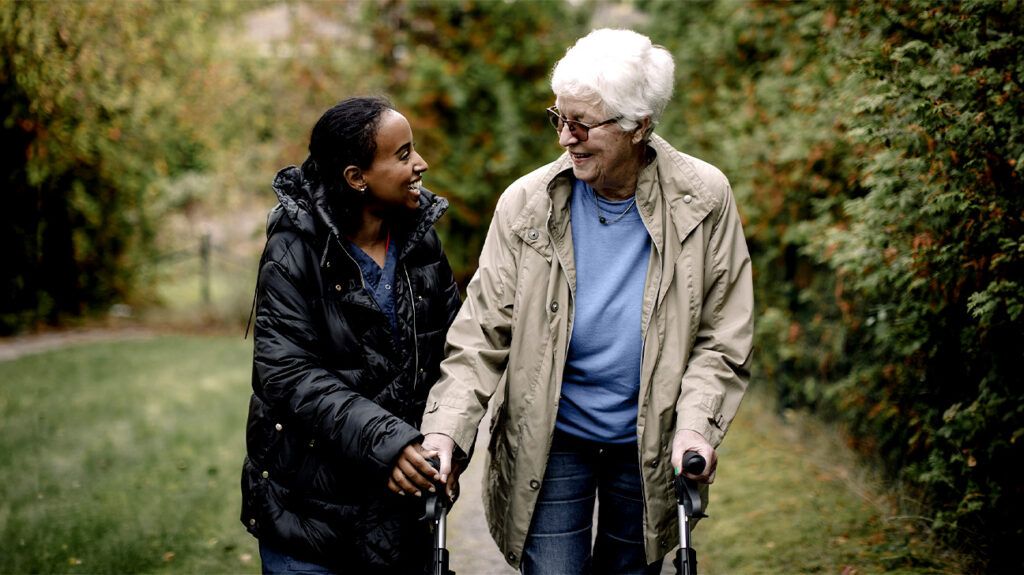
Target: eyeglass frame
[[555, 118]]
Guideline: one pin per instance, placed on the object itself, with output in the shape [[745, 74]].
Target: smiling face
[[393, 179], [610, 159]]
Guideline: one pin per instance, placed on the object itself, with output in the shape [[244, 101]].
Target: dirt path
[[18, 346]]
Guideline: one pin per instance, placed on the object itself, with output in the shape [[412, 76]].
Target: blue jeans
[[559, 539], [276, 562]]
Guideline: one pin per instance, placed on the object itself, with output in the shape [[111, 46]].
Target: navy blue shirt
[[601, 382], [378, 281]]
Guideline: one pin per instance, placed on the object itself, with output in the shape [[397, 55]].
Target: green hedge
[[875, 151]]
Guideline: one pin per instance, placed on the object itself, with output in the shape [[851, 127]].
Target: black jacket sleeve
[[291, 379]]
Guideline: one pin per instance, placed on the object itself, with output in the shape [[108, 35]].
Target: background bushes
[[874, 148]]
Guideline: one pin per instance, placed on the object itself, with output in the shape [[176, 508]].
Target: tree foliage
[[874, 148], [473, 77], [95, 105]]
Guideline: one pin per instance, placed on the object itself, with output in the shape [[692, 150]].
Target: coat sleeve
[[291, 379], [477, 347], [718, 370]]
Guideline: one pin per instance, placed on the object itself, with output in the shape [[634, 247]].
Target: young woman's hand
[[412, 472]]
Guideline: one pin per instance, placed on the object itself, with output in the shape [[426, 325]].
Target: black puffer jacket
[[335, 396]]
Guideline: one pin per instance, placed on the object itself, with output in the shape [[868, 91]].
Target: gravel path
[[18, 346], [470, 546]]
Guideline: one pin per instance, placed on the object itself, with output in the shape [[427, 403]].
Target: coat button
[[532, 234], [687, 198], [265, 474], [312, 442], [278, 426], [534, 484], [554, 307], [337, 287], [654, 464], [252, 522], [511, 556]]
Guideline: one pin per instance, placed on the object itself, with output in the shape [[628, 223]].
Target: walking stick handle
[[687, 494], [689, 505], [693, 463]]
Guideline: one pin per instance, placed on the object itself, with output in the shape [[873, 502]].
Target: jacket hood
[[304, 207]]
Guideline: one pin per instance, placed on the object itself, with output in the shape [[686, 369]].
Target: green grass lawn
[[790, 497], [124, 458]]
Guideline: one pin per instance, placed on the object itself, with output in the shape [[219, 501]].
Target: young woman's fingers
[[401, 482]]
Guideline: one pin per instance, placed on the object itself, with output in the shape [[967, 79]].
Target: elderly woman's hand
[[450, 470], [689, 440], [412, 471]]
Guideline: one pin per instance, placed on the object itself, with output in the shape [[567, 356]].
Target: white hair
[[620, 70]]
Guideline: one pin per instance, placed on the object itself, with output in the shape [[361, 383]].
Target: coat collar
[[304, 207], [669, 182]]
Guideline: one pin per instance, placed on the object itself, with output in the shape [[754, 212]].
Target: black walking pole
[[688, 505], [436, 513]]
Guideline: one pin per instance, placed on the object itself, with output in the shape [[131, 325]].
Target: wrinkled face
[[607, 160], [393, 179]]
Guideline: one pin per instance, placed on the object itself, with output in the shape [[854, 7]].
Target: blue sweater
[[602, 372]]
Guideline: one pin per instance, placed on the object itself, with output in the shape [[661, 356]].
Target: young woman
[[354, 298]]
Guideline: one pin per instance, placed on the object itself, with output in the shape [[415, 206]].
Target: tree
[[96, 104]]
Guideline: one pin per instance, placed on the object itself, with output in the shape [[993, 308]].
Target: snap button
[[265, 474], [328, 264], [687, 198], [511, 556], [554, 306], [534, 484], [337, 287], [252, 522], [532, 234], [278, 426], [312, 442]]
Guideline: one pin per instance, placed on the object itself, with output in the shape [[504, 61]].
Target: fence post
[[204, 268]]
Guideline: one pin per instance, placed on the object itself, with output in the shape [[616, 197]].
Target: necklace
[[600, 216]]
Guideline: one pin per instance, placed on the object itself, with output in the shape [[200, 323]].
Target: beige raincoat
[[511, 336]]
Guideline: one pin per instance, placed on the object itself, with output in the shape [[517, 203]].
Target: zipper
[[415, 341]]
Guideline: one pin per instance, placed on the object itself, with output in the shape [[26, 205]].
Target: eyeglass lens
[[577, 129]]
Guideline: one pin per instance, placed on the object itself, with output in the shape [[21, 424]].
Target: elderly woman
[[610, 319]]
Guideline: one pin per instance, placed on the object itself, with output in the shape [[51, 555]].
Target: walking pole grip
[[437, 505], [686, 491], [689, 505]]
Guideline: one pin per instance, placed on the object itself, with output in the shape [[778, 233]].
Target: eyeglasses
[[578, 129]]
